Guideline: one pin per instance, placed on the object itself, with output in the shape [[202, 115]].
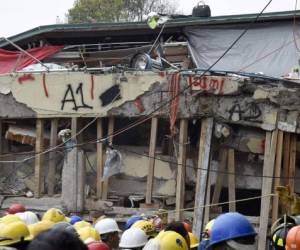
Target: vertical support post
[[152, 147], [220, 175], [1, 137], [74, 126], [80, 196], [202, 172], [100, 165], [231, 180], [277, 173], [181, 168], [52, 160], [268, 169], [111, 123], [292, 167], [39, 147], [207, 202], [286, 156]]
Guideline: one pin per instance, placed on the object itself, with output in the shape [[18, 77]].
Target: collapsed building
[[181, 135]]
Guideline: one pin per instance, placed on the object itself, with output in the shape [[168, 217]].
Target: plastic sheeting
[[267, 47], [17, 60]]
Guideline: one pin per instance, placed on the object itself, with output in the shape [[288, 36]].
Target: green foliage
[[117, 10]]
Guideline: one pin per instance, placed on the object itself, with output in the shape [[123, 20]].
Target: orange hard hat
[[293, 239], [187, 226], [16, 208]]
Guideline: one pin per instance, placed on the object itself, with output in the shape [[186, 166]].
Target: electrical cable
[[152, 113]]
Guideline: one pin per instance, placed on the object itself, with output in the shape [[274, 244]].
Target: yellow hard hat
[[55, 215], [88, 233], [13, 233], [7, 219], [194, 242], [146, 226], [81, 224], [39, 227], [170, 240]]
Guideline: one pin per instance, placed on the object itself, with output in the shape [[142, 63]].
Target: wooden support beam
[[268, 169], [231, 180], [111, 123], [38, 168], [220, 175], [292, 167], [207, 201], [202, 172], [152, 147], [52, 159], [181, 168], [277, 173], [286, 156], [100, 162]]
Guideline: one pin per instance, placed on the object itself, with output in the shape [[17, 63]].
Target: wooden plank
[[202, 172], [277, 173], [268, 169], [111, 123], [38, 167], [286, 157], [74, 126], [292, 163], [52, 160], [207, 201], [100, 162], [152, 147], [181, 168], [231, 180], [220, 175]]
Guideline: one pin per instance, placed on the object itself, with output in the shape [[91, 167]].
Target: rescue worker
[[278, 236], [88, 234], [109, 232], [293, 239], [133, 238], [206, 235], [74, 219], [55, 215], [28, 217], [16, 208], [167, 240], [132, 220], [194, 242], [13, 235], [147, 227], [232, 231], [179, 228]]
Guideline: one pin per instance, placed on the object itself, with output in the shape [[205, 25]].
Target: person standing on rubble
[[109, 232]]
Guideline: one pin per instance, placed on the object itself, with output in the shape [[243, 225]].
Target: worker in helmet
[[16, 208], [147, 227], [133, 238], [194, 242], [206, 235], [278, 236], [167, 240], [55, 215], [109, 232], [13, 234], [293, 239], [133, 219], [179, 228], [232, 231]]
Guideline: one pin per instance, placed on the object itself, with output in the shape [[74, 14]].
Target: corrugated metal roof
[[175, 23]]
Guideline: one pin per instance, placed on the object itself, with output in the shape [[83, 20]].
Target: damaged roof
[[61, 34]]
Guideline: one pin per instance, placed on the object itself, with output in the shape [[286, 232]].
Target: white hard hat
[[28, 217], [132, 238], [107, 225]]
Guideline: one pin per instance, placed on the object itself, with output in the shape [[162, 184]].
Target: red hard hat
[[97, 245], [16, 208]]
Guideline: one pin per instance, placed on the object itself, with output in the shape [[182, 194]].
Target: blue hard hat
[[230, 226], [74, 219], [132, 220]]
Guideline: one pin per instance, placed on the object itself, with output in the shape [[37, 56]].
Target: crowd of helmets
[[21, 229]]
